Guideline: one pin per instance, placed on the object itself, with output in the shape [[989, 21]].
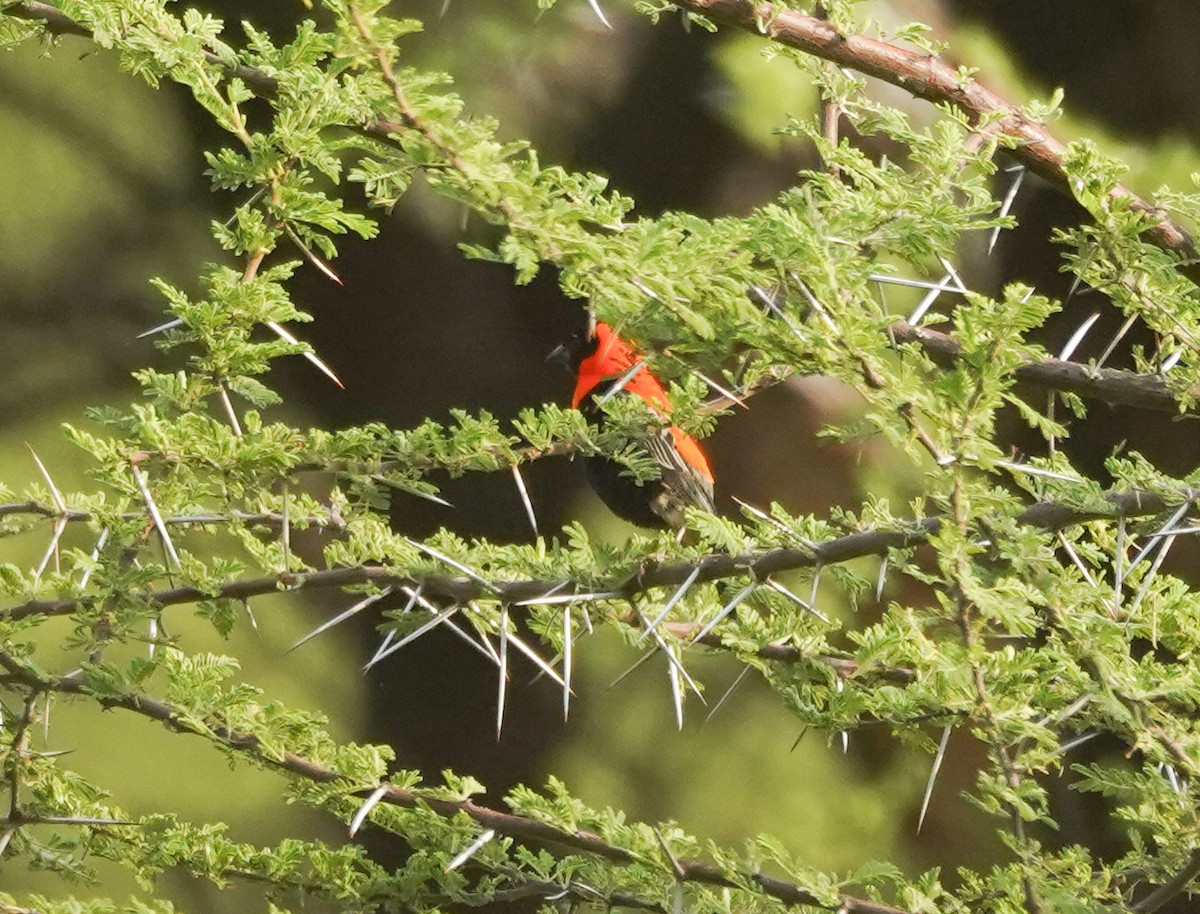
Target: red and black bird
[[601, 361]]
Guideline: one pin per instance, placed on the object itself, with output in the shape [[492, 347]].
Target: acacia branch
[[934, 80], [1110, 385], [920, 74], [1176, 885], [522, 828], [924, 76], [463, 589]]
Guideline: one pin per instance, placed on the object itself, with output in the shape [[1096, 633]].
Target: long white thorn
[[884, 279], [798, 600], [502, 687], [1077, 337], [673, 660], [287, 337], [933, 773], [1006, 205], [470, 850], [621, 382], [568, 647], [1165, 530], [533, 655], [769, 301], [729, 691], [87, 572], [59, 503], [959, 285], [365, 810], [343, 616], [550, 600], [311, 257], [726, 610], [676, 694], [1150, 575], [169, 325], [636, 665], [727, 394], [841, 687], [930, 297], [774, 522], [1120, 334], [595, 5], [230, 411], [155, 515], [52, 550], [524, 493], [400, 487], [414, 635], [670, 604], [1035, 471], [1170, 361], [454, 563], [483, 646]]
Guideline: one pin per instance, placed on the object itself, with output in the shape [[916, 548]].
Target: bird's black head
[[578, 347]]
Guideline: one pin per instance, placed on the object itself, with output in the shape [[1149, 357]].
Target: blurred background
[[102, 188]]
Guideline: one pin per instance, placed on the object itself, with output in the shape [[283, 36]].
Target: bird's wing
[[681, 480]]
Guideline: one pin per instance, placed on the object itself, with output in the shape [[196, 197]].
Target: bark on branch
[[520, 827], [934, 80]]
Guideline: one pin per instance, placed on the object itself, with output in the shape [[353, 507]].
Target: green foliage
[[1029, 635]]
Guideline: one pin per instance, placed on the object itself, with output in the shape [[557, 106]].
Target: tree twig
[[919, 74], [934, 80], [506, 823]]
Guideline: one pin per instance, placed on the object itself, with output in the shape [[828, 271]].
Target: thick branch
[[1173, 887], [1121, 388], [920, 74], [716, 566], [519, 827], [933, 80]]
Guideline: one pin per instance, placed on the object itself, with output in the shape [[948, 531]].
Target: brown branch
[[506, 823], [712, 567], [934, 80], [921, 75], [924, 76], [1120, 388], [1173, 887]]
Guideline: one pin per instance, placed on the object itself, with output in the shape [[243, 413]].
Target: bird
[[602, 362]]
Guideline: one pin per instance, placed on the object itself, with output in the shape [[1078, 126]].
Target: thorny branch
[[934, 80], [520, 827], [924, 76], [760, 565], [921, 75]]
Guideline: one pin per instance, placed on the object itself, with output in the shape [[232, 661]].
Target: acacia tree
[[1048, 619]]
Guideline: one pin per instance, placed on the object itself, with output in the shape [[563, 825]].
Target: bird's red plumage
[[611, 359]]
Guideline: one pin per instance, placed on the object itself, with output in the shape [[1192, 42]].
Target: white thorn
[[729, 691], [155, 516], [1077, 337], [937, 764], [160, 328], [502, 688], [470, 850], [343, 616], [1006, 205], [520, 480], [670, 604], [726, 610], [595, 5], [365, 810], [287, 337]]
